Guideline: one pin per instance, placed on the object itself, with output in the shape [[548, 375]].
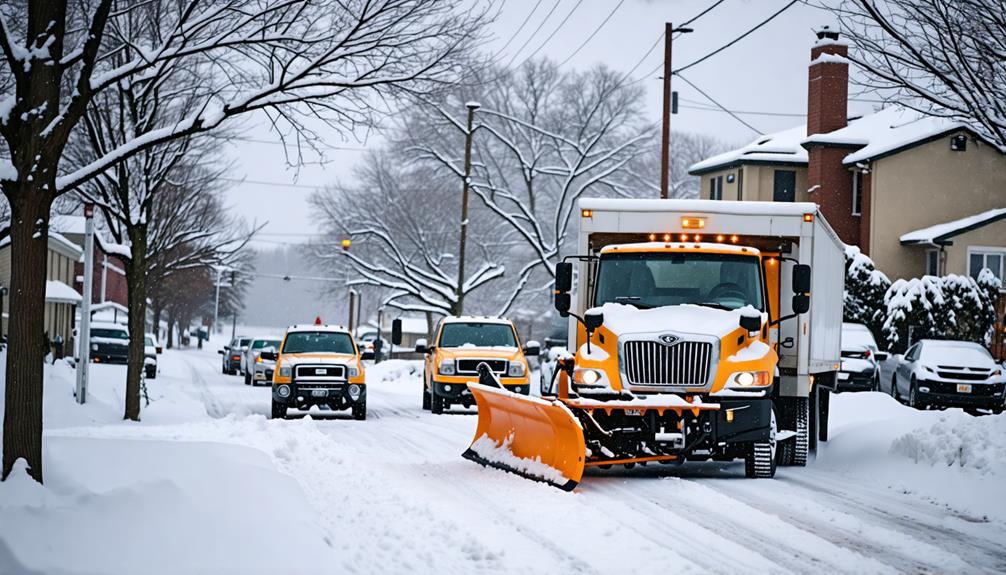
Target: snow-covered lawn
[[207, 484]]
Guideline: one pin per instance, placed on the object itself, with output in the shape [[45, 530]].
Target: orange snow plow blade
[[528, 436]]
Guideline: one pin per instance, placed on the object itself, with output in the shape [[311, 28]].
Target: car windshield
[[955, 354], [652, 280], [260, 343], [111, 333], [857, 337], [243, 342], [149, 341], [460, 334], [318, 342]]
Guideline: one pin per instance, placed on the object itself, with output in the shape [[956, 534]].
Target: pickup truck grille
[[471, 365], [653, 363], [320, 372]]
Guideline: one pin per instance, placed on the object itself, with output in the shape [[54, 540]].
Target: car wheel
[[894, 389], [426, 398], [913, 398], [436, 402], [248, 379]]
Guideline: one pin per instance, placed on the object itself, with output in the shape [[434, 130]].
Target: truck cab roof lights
[[734, 239], [693, 223], [587, 213]]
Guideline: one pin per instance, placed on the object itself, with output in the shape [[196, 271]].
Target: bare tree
[[942, 58], [336, 62]]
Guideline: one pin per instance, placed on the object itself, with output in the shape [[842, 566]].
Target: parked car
[[231, 362], [109, 342], [150, 351], [263, 369], [860, 360], [252, 353], [367, 342], [941, 374]]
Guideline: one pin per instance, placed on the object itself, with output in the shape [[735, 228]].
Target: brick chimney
[[827, 111]]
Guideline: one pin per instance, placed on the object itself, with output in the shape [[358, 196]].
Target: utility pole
[[665, 133], [84, 330], [460, 296], [234, 312]]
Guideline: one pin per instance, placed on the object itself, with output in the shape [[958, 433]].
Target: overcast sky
[[765, 72]]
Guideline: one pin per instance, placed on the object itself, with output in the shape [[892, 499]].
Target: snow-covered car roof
[[312, 327], [476, 319], [108, 325]]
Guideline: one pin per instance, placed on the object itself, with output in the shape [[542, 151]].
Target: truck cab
[[459, 346], [317, 365]]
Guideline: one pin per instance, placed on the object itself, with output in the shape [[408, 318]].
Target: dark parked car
[[943, 374], [109, 342], [232, 353], [860, 360]]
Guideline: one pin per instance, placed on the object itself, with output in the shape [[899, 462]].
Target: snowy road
[[424, 507], [393, 495]]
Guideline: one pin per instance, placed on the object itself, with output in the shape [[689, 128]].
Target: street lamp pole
[[460, 295]]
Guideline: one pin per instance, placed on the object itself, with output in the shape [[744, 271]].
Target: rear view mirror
[[396, 331], [801, 279], [563, 283], [220, 351], [532, 348], [801, 303], [268, 355], [421, 346], [750, 322], [881, 355], [593, 320]]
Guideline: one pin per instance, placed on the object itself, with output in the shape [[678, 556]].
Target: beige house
[[61, 300], [918, 194]]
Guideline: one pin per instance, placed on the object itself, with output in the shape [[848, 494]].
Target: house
[[919, 194], [61, 300], [109, 280]]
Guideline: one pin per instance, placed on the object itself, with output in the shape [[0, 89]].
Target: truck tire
[[278, 411], [248, 380], [795, 415], [426, 395], [760, 461], [436, 402], [360, 411], [822, 428]]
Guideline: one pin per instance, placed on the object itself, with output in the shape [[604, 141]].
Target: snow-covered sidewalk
[[207, 484]]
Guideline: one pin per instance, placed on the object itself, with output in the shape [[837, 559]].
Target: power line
[[273, 184], [705, 108], [518, 31], [702, 13], [594, 33], [536, 30], [737, 39], [554, 32], [718, 105]]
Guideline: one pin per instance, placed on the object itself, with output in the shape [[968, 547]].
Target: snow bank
[[977, 444], [489, 450]]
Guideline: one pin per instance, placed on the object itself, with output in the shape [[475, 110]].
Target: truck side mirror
[[396, 331], [220, 351], [267, 355], [801, 303], [750, 323], [801, 279], [563, 283], [532, 348], [593, 320], [421, 346]]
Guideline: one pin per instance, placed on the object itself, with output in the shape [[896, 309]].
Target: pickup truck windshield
[[660, 279], [318, 342], [109, 333], [477, 334]]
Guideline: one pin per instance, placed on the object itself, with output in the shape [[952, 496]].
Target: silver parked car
[[941, 374], [860, 360], [251, 355]]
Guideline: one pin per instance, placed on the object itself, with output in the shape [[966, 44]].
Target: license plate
[[320, 371], [633, 412], [963, 388], [319, 393]]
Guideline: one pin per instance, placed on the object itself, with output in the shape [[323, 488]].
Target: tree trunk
[[157, 318], [136, 288], [22, 423], [171, 329]]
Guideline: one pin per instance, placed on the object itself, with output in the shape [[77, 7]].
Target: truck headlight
[[94, 347], [588, 377], [446, 367], [354, 371], [516, 369], [750, 379], [285, 371], [354, 391], [283, 391]]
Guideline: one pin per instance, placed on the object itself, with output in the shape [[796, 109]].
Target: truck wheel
[[436, 403], [824, 411], [760, 461], [426, 396], [801, 443], [360, 411], [278, 411]]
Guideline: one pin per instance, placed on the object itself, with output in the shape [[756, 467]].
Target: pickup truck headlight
[[589, 377], [285, 371], [750, 379], [94, 347], [516, 369], [446, 367], [353, 371]]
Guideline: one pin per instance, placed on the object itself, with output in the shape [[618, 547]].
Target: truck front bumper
[[304, 395], [945, 394]]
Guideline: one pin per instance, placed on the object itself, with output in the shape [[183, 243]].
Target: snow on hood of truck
[[626, 319], [699, 206]]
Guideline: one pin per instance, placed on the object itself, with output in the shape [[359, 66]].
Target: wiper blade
[[713, 305], [633, 301]]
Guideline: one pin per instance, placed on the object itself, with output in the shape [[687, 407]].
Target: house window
[[716, 188], [784, 186], [991, 258], [857, 193], [932, 262]]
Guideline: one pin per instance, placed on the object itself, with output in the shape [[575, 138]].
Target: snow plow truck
[[703, 330]]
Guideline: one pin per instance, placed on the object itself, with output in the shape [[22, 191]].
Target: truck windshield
[[318, 342], [458, 334], [660, 279]]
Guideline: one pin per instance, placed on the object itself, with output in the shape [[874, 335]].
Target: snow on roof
[[312, 327], [940, 233], [57, 242], [76, 225], [658, 246], [699, 206], [475, 319], [59, 292], [109, 305], [780, 147]]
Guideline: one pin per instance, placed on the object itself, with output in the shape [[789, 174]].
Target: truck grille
[[471, 365], [320, 372], [653, 363]]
